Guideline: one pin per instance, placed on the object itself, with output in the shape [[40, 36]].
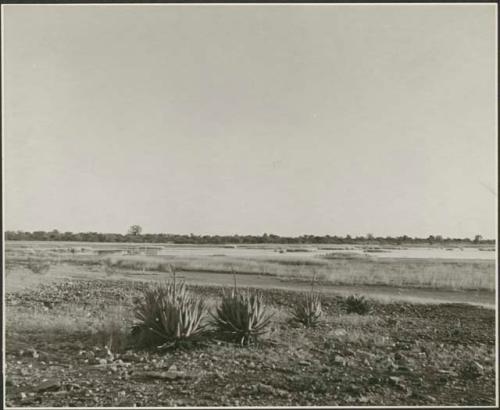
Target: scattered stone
[[478, 367], [168, 375], [395, 380], [267, 389], [340, 332], [353, 389], [282, 393], [72, 386], [130, 357], [405, 369], [365, 355], [472, 369], [399, 357], [447, 372], [263, 388], [339, 360], [49, 385], [390, 365]]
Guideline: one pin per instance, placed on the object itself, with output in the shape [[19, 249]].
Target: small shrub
[[357, 304], [39, 267], [168, 315], [111, 330], [109, 267], [471, 369], [307, 310], [242, 315]]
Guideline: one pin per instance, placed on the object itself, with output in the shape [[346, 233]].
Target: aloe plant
[[242, 315], [307, 310], [168, 315]]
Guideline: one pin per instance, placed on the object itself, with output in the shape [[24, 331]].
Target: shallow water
[[434, 253], [272, 250], [412, 253]]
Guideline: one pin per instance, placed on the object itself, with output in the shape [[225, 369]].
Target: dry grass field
[[334, 268]]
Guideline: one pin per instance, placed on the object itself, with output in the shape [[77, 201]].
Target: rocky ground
[[399, 354]]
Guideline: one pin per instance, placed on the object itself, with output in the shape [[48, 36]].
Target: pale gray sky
[[317, 119]]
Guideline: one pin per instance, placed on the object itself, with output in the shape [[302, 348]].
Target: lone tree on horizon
[[134, 230]]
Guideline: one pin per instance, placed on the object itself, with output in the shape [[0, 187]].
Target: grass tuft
[[357, 304]]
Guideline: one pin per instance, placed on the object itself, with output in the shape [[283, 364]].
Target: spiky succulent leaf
[[169, 314], [242, 315]]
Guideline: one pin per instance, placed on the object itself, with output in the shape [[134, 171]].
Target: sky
[[251, 119]]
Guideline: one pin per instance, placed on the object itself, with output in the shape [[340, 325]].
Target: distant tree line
[[134, 235]]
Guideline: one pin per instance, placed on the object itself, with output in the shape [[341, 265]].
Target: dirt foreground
[[399, 354]]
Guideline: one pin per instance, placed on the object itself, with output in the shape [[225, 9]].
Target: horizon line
[[268, 234]]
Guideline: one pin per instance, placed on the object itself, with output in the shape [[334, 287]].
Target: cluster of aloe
[[169, 315]]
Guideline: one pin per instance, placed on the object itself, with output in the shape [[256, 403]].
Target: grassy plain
[[334, 268]]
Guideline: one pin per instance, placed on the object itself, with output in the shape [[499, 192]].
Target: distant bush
[[357, 304], [242, 315], [307, 310], [168, 315], [39, 267]]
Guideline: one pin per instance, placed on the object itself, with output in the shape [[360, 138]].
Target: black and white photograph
[[249, 205]]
